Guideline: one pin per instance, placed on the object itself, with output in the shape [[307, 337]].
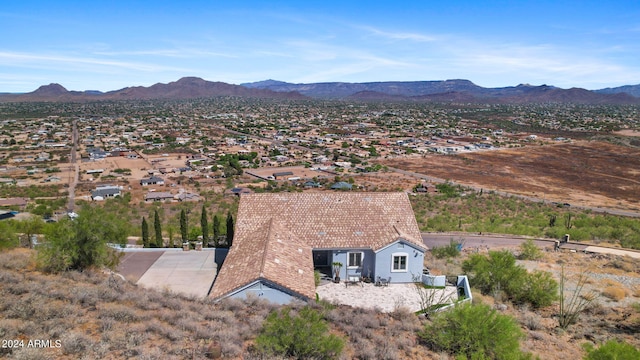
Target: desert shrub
[[303, 335], [612, 350], [118, 313], [82, 243], [474, 332], [448, 251], [529, 251], [538, 288], [75, 343], [28, 353], [614, 293], [497, 274]]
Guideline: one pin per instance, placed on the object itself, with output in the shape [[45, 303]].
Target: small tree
[[158, 229], [495, 273], [529, 251], [474, 332], [145, 233], [230, 230], [83, 242], [300, 336], [8, 237], [183, 225], [204, 224]]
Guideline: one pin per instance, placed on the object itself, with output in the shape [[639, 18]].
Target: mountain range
[[405, 91]]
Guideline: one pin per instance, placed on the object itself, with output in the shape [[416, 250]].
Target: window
[[399, 262], [355, 260]]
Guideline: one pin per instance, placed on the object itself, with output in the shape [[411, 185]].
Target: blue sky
[[108, 45]]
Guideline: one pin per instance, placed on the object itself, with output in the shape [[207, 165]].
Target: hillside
[[97, 315]]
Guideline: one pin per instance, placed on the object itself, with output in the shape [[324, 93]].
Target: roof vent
[[358, 232], [277, 261], [300, 271], [322, 233]]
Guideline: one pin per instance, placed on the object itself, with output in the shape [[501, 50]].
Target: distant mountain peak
[[51, 89]]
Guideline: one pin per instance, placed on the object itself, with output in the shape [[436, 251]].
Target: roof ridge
[[265, 248]]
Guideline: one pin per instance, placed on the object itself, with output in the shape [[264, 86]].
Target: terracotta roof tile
[[275, 234]]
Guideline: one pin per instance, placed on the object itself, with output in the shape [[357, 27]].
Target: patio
[[383, 298]]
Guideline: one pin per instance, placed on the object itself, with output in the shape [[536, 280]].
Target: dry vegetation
[[597, 173], [100, 316], [97, 315]]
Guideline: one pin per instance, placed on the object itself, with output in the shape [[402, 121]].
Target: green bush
[[529, 251], [448, 251], [612, 350], [539, 289], [301, 336], [82, 243], [497, 274], [474, 332]]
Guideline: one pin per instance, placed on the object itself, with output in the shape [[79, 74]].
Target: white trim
[[406, 263], [349, 258]]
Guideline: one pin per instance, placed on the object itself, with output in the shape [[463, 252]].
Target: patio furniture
[[353, 280], [380, 281]]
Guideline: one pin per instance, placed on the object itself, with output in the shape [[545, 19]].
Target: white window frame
[[349, 266], [393, 262]]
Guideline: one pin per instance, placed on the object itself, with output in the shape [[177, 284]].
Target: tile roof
[[270, 252], [275, 234]]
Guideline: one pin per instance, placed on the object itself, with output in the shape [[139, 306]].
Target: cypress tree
[[229, 229], [216, 229], [204, 223], [158, 229], [183, 225], [145, 233]]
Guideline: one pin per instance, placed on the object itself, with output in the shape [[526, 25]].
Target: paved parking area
[[383, 298], [186, 272]]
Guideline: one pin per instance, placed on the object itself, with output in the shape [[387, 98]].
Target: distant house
[[282, 174], [280, 239], [341, 185], [153, 180], [311, 184], [158, 196], [239, 191], [187, 196], [5, 214], [19, 202], [105, 191]]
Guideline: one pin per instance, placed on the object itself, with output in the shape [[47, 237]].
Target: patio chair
[[380, 281]]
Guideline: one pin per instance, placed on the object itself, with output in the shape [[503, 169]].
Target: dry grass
[[614, 293], [96, 315]]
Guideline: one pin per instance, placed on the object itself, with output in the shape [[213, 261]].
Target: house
[[105, 191], [341, 185], [187, 196], [280, 239], [158, 196], [153, 180]]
